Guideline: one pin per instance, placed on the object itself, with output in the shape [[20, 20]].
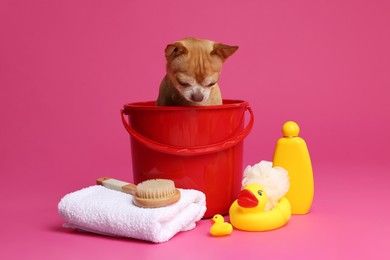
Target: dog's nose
[[197, 97]]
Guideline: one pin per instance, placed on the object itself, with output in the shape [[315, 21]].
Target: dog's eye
[[184, 84], [211, 84]]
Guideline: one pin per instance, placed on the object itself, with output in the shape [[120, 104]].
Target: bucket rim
[[150, 105]]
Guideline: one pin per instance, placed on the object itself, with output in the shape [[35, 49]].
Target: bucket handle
[[196, 150]]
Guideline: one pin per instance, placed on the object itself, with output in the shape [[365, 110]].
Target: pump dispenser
[[291, 153]]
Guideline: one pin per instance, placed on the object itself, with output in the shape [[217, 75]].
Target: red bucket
[[197, 147]]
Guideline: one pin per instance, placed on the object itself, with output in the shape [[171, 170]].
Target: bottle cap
[[290, 129]]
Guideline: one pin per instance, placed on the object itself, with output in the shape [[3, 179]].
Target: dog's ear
[[223, 51], [174, 50]]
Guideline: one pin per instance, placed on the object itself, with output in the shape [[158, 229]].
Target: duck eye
[[260, 192]]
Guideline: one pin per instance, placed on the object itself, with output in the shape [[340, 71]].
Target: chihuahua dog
[[193, 69]]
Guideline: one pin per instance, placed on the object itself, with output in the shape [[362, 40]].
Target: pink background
[[67, 67]]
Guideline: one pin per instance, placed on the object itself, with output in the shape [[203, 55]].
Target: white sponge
[[274, 180]]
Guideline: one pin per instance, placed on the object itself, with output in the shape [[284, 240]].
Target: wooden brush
[[148, 194]]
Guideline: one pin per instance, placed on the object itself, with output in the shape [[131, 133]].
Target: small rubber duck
[[220, 227], [247, 212]]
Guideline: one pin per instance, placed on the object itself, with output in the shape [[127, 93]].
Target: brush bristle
[[156, 189]]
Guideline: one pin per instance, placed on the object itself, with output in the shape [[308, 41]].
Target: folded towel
[[100, 210]]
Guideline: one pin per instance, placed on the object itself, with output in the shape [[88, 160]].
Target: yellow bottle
[[291, 153]]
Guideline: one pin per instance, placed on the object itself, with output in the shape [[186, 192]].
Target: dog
[[192, 73]]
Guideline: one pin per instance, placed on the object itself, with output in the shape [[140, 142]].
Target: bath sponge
[[274, 180]]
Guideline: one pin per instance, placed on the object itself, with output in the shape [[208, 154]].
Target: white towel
[[100, 210]]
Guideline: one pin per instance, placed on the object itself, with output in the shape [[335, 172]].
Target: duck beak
[[212, 221], [246, 199]]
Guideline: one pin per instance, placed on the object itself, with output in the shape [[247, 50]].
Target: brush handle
[[118, 185]]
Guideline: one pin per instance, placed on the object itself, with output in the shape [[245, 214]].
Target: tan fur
[[193, 65]]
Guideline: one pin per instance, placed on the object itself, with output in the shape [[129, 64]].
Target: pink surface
[[67, 67]]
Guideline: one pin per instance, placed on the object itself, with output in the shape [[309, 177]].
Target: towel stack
[[100, 210]]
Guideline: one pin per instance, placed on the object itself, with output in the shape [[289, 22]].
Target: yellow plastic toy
[[220, 227], [291, 153], [247, 212]]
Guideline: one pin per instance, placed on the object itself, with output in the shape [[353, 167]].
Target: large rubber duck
[[219, 226], [247, 212]]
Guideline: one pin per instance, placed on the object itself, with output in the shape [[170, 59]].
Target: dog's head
[[194, 66]]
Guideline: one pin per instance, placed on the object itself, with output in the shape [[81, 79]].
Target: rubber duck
[[247, 212], [219, 226]]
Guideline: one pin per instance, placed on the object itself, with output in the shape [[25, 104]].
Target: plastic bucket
[[197, 147]]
